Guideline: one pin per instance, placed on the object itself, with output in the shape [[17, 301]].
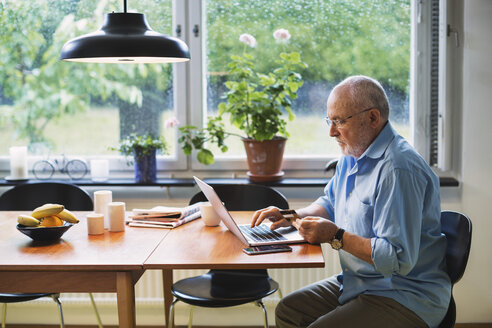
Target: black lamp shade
[[125, 38]]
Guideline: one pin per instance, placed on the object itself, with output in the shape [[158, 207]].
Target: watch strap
[[337, 241], [339, 234]]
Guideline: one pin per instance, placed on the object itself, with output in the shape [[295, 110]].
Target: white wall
[[474, 292]]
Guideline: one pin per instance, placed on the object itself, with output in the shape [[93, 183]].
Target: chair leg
[[171, 314], [56, 298], [4, 315], [260, 304], [190, 318], [96, 312]]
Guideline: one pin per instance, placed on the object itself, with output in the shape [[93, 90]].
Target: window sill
[[188, 182]]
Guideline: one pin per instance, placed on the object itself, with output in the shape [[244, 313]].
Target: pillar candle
[[116, 213], [99, 170], [101, 200], [18, 162], [95, 223]]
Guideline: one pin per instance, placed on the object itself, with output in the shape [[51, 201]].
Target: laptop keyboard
[[261, 233]]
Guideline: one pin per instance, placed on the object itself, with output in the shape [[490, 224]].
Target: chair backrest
[[458, 230], [245, 197], [31, 195]]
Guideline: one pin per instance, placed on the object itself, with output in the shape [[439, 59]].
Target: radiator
[[149, 288]]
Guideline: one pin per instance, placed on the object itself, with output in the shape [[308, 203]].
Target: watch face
[[336, 244]]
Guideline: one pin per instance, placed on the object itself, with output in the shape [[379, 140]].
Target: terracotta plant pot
[[265, 159]]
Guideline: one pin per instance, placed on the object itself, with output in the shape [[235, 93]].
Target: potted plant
[[143, 149], [256, 104]]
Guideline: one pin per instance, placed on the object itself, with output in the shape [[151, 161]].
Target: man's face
[[353, 135]]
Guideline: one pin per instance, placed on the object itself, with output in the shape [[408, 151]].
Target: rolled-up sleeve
[[397, 223]]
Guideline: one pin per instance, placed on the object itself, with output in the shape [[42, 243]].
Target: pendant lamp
[[125, 38]]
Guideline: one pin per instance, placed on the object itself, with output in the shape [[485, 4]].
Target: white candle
[[95, 224], [18, 162], [99, 170], [116, 213], [101, 200]]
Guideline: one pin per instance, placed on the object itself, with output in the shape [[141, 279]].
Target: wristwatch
[[337, 241]]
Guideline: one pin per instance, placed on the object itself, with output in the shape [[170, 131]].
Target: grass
[[93, 131], [86, 133]]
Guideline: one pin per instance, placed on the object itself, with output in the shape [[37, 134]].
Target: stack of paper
[[164, 217]]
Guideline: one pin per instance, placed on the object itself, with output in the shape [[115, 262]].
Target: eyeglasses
[[340, 123]]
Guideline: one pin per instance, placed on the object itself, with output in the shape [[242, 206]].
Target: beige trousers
[[317, 306]]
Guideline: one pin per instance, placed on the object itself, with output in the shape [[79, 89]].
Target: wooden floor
[[460, 325]]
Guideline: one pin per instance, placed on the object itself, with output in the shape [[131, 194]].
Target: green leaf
[[205, 156], [295, 57], [293, 86], [187, 149]]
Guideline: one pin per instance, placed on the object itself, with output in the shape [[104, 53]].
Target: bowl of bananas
[[46, 223]]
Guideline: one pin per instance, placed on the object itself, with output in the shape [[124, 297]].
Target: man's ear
[[375, 117]]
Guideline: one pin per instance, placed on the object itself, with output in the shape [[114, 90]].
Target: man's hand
[[316, 230], [271, 213]]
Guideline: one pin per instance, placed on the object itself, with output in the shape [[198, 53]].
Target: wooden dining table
[[78, 262], [196, 246], [114, 261]]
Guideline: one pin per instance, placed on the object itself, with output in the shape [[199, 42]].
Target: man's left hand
[[316, 230]]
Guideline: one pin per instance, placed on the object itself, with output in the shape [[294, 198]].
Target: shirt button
[[350, 194]]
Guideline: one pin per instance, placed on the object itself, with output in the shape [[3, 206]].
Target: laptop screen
[[220, 209]]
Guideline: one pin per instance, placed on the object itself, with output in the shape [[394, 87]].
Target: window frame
[[189, 96], [419, 94]]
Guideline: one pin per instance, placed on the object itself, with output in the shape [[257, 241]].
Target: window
[[77, 109], [83, 109], [335, 38]]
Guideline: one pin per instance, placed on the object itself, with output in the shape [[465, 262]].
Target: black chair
[[331, 166], [458, 230], [224, 288], [247, 197], [29, 196]]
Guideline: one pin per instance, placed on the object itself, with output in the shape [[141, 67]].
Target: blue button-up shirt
[[391, 196]]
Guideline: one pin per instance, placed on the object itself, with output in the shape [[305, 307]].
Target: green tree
[[38, 88], [336, 38]]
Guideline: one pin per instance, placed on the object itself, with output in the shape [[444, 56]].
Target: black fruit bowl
[[44, 233]]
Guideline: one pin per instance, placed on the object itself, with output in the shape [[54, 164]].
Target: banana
[[47, 210], [28, 221], [68, 216]]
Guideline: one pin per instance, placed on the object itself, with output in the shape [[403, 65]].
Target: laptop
[[257, 236]]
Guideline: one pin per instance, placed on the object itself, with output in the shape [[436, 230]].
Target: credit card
[[289, 215]]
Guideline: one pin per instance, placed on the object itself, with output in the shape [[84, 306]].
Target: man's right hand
[[271, 213]]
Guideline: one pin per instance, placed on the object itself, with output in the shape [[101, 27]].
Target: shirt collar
[[382, 141]]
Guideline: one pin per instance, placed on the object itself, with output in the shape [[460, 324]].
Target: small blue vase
[[145, 167]]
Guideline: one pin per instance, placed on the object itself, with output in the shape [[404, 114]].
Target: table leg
[[167, 282], [125, 293]]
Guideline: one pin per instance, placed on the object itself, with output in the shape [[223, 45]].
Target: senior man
[[381, 211]]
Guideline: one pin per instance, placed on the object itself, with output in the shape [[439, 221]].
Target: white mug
[[210, 218]]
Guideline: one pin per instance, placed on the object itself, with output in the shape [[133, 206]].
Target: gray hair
[[365, 92]]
